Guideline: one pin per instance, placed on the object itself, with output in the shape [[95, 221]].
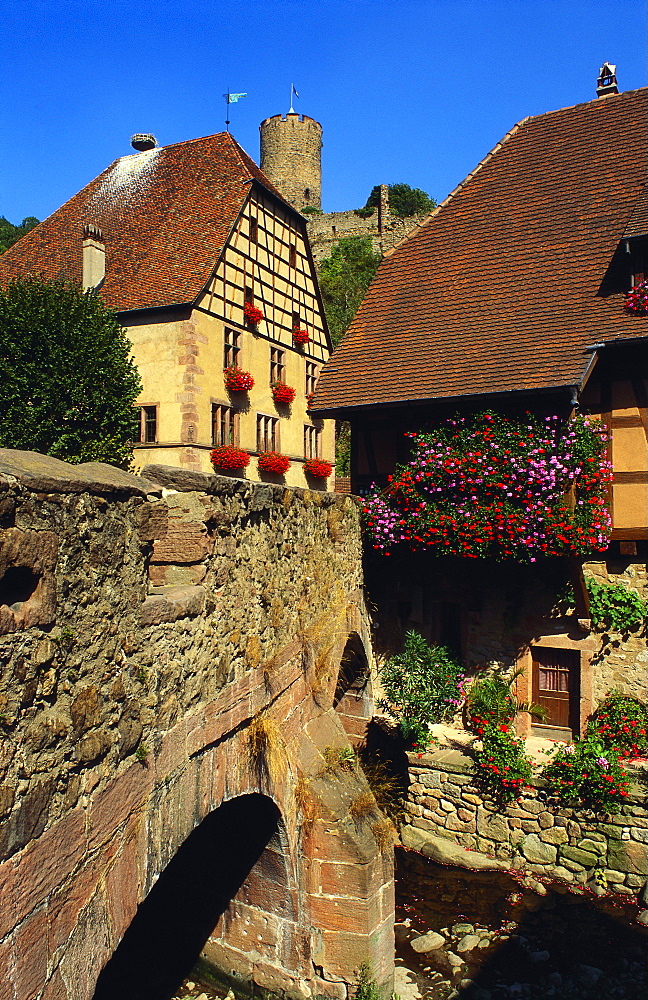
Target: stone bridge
[[185, 664]]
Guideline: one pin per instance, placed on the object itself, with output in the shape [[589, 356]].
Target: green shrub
[[587, 774], [503, 768], [423, 685], [490, 699]]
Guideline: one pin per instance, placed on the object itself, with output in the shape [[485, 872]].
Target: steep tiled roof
[[165, 215], [500, 289]]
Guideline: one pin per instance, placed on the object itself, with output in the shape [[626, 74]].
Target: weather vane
[[230, 99]]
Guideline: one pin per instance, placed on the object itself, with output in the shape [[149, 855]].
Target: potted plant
[[272, 461], [318, 468], [253, 316], [236, 380], [300, 336], [229, 457], [282, 393]]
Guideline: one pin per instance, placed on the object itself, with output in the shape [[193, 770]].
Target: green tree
[[10, 234], [404, 200], [344, 278], [67, 382]]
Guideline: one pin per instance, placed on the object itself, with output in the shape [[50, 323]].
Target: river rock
[[460, 929], [588, 975], [468, 943], [427, 942]]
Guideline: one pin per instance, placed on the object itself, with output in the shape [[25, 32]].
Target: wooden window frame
[[312, 441], [231, 347], [277, 365], [224, 426], [312, 374], [292, 256], [146, 420], [253, 229], [267, 428]]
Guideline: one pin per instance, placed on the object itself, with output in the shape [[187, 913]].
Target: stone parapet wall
[[326, 229], [530, 835]]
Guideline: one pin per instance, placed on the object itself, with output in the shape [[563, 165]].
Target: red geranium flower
[[282, 393], [300, 336], [272, 461], [236, 380], [317, 468], [228, 457], [252, 315]]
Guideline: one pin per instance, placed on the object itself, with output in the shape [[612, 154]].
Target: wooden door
[[556, 686]]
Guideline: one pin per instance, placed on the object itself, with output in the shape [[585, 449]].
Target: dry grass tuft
[[362, 807], [384, 833], [267, 749], [386, 784], [338, 759]]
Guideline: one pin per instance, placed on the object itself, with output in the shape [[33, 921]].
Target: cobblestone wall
[[529, 835]]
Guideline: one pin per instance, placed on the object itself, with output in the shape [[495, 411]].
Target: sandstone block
[[585, 858], [554, 835], [169, 604]]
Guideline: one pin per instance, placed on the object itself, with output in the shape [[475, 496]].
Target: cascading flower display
[[492, 486], [272, 461], [229, 457], [236, 380], [318, 468], [636, 300], [252, 314], [300, 336], [282, 393]]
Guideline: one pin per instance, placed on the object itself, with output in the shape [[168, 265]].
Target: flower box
[[229, 457], [236, 380], [253, 316], [300, 336], [282, 393], [272, 461], [636, 300], [317, 468]]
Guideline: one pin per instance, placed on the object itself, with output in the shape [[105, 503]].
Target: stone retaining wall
[[529, 835]]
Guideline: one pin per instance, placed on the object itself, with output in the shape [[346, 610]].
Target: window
[[311, 377], [267, 433], [249, 294], [148, 424], [296, 321], [224, 425], [277, 365], [292, 255], [232, 348], [254, 230], [312, 441]]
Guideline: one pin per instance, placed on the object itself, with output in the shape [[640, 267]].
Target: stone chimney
[[607, 81], [94, 257], [383, 207]]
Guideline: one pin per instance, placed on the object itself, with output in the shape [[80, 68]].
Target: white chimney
[[94, 257]]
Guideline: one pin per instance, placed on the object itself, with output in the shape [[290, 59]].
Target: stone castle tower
[[291, 156]]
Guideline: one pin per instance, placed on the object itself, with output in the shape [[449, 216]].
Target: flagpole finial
[[293, 93]]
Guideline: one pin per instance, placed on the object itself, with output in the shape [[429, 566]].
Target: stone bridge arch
[[187, 658], [353, 697]]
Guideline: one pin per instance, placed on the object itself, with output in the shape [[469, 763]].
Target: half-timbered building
[[511, 296], [189, 243]]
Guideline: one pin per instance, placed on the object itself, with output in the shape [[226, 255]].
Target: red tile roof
[[165, 216], [500, 289]]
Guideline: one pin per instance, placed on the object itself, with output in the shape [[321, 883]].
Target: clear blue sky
[[405, 91]]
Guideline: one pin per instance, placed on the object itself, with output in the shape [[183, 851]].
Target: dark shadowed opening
[[175, 920], [17, 585]]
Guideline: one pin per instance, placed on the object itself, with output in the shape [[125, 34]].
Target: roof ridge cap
[[461, 185], [595, 101]]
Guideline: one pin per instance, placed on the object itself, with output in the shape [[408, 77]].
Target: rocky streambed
[[493, 935]]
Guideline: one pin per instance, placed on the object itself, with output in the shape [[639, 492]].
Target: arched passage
[[353, 698], [196, 897]]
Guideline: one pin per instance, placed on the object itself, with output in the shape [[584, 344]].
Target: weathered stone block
[[168, 604], [585, 858], [536, 850]]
